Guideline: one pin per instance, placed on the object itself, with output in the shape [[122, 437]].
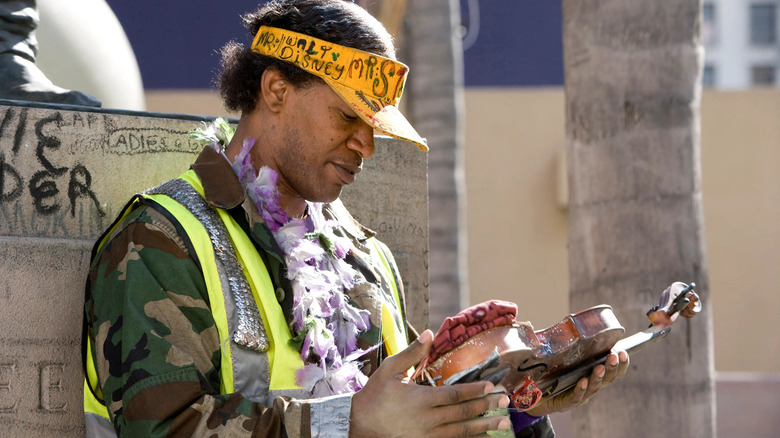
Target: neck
[[292, 203], [294, 207]]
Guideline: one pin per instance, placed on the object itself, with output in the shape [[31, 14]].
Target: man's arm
[[156, 344]]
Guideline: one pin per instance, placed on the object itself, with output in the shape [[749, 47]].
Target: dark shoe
[[21, 79]]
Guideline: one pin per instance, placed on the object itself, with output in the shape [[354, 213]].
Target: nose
[[362, 141]]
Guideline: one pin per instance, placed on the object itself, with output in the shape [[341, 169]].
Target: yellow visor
[[370, 83]]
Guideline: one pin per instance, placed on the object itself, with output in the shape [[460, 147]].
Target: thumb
[[411, 356]]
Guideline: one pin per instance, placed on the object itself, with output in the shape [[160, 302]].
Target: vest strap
[[250, 331]]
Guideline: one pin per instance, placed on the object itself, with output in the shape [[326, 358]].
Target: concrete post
[[64, 175]]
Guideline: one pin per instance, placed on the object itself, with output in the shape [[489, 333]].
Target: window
[[762, 75], [763, 23], [708, 76], [710, 28]]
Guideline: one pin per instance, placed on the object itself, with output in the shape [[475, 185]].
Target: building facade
[[742, 48]]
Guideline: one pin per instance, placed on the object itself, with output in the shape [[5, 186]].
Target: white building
[[741, 43]]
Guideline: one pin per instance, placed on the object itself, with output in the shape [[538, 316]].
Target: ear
[[274, 89]]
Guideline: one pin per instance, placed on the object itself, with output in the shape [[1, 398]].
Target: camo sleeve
[[156, 345]]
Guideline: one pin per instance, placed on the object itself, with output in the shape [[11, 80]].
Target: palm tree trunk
[[435, 102], [632, 73]]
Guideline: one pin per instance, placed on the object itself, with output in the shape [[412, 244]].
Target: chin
[[324, 197]]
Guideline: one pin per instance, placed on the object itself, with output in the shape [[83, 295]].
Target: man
[[242, 299]]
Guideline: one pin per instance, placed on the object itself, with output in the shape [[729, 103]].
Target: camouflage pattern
[[154, 339]]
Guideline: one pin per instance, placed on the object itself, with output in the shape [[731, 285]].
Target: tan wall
[[517, 227], [203, 102], [517, 232]]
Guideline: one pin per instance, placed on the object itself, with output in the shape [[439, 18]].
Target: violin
[[534, 365]]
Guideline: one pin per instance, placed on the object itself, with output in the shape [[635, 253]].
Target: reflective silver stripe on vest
[[251, 370], [98, 426], [249, 331]]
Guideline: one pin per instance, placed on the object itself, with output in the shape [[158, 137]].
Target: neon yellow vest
[[283, 360]]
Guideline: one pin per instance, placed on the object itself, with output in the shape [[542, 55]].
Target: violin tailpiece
[[526, 395]]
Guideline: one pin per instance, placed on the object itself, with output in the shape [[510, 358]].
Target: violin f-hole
[[520, 369]]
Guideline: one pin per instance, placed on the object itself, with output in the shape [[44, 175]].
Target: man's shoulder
[[144, 226], [337, 211]]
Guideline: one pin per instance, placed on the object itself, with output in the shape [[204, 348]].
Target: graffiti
[[45, 183], [10, 182], [19, 128], [374, 105], [399, 226], [79, 186], [62, 171], [146, 141], [383, 77]]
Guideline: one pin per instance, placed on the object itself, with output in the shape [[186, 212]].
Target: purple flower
[[309, 375], [305, 347], [322, 315], [346, 379], [341, 247], [291, 235], [349, 322]]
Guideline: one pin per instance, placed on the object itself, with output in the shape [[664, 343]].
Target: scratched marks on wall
[[57, 167], [28, 168]]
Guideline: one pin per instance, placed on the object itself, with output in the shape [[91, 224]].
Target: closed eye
[[349, 117]]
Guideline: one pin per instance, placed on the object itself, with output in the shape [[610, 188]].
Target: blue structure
[[176, 43]]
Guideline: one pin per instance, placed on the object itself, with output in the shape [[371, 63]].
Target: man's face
[[322, 145]]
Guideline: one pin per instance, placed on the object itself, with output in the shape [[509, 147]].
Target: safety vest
[[258, 376]]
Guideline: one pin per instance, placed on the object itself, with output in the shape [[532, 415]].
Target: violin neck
[[629, 344], [640, 340]]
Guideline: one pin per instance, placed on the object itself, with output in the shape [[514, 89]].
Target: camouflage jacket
[[155, 341]]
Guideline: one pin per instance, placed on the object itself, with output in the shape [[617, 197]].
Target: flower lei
[[326, 326]]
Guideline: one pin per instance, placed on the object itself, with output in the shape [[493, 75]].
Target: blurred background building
[[741, 41]]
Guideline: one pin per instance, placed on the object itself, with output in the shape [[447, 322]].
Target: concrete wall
[[64, 176], [513, 177]]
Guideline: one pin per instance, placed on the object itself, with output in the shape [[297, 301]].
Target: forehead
[[318, 92]]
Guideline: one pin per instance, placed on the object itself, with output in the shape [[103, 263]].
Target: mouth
[[347, 172]]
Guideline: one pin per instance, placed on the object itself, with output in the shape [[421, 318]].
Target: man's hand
[[391, 405], [587, 387]]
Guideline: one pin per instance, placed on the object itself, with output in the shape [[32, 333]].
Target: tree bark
[[632, 79], [434, 101]]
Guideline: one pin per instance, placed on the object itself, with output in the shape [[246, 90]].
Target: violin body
[[531, 365]]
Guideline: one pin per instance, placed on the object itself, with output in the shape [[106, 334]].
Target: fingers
[[454, 394], [475, 427], [467, 416], [624, 363], [580, 393], [616, 366], [458, 402], [411, 356]]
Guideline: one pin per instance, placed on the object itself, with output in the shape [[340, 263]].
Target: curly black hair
[[336, 21]]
